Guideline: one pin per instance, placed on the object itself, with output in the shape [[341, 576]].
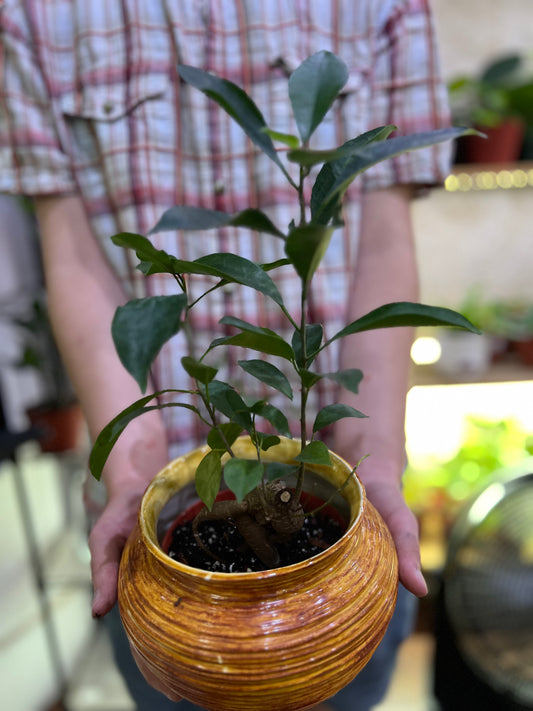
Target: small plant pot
[[284, 639], [503, 144], [59, 428]]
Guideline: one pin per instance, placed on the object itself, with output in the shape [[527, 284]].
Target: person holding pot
[[97, 128]]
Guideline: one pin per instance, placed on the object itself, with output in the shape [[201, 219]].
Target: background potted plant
[[57, 417], [499, 103], [282, 637]]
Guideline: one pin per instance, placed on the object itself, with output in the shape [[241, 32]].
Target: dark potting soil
[[231, 554]]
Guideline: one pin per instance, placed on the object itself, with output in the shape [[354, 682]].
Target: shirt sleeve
[[31, 154], [408, 91]]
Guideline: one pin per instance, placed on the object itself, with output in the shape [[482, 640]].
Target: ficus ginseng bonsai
[[142, 326]]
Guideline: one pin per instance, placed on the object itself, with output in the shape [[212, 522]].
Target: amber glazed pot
[[282, 639]]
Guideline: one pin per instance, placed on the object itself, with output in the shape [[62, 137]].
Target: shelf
[[508, 371]]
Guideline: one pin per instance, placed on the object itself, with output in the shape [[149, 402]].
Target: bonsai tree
[[142, 326]]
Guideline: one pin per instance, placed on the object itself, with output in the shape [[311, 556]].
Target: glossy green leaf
[[287, 139], [254, 337], [237, 104], [368, 156], [349, 379], [199, 371], [268, 374], [275, 416], [280, 470], [228, 401], [306, 246], [154, 261], [331, 170], [314, 334], [337, 156], [257, 342], [224, 435], [313, 87], [315, 453], [187, 217], [235, 268], [404, 313], [242, 476], [109, 435], [332, 413], [265, 440], [141, 327], [208, 478]]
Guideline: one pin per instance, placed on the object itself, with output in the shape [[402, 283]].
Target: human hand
[[388, 499], [106, 542]]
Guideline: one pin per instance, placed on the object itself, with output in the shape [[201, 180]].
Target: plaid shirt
[[91, 102]]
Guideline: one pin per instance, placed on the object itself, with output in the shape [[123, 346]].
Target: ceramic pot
[[283, 639]]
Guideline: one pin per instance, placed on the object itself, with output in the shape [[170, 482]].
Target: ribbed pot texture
[[278, 640]]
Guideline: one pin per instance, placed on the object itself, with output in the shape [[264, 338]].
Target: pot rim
[[167, 483]]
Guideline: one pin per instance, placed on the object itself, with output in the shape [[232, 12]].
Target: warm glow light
[[489, 180], [425, 350], [436, 414]]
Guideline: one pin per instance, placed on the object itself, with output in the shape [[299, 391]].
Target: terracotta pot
[[60, 428], [281, 639], [503, 144]]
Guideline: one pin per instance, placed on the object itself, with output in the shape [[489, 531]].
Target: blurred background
[[469, 423]]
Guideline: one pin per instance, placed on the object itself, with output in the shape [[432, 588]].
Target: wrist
[[138, 455]]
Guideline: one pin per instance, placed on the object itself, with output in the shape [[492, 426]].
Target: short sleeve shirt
[[91, 102]]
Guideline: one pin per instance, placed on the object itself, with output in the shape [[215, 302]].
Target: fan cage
[[488, 590]]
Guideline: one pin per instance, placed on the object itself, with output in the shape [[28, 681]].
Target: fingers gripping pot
[[282, 639]]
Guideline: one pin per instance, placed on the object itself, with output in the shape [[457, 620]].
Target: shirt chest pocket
[[111, 101], [117, 134]]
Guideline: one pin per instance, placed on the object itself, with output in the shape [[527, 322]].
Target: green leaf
[[188, 217], [313, 87], [107, 438], [314, 333], [331, 170], [404, 313], [286, 138], [237, 104], [331, 413], [265, 441], [224, 435], [369, 155], [348, 379], [271, 345], [257, 338], [336, 157], [279, 470], [208, 478], [306, 246], [276, 417], [268, 374], [228, 401], [315, 453], [234, 268], [141, 327], [199, 371], [153, 261], [242, 476]]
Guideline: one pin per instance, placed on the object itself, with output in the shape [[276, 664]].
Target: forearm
[[385, 272], [83, 294]]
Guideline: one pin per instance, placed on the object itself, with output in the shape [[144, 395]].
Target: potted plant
[[57, 417], [497, 103], [283, 636]]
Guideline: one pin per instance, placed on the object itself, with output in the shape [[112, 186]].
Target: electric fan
[[484, 627]]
